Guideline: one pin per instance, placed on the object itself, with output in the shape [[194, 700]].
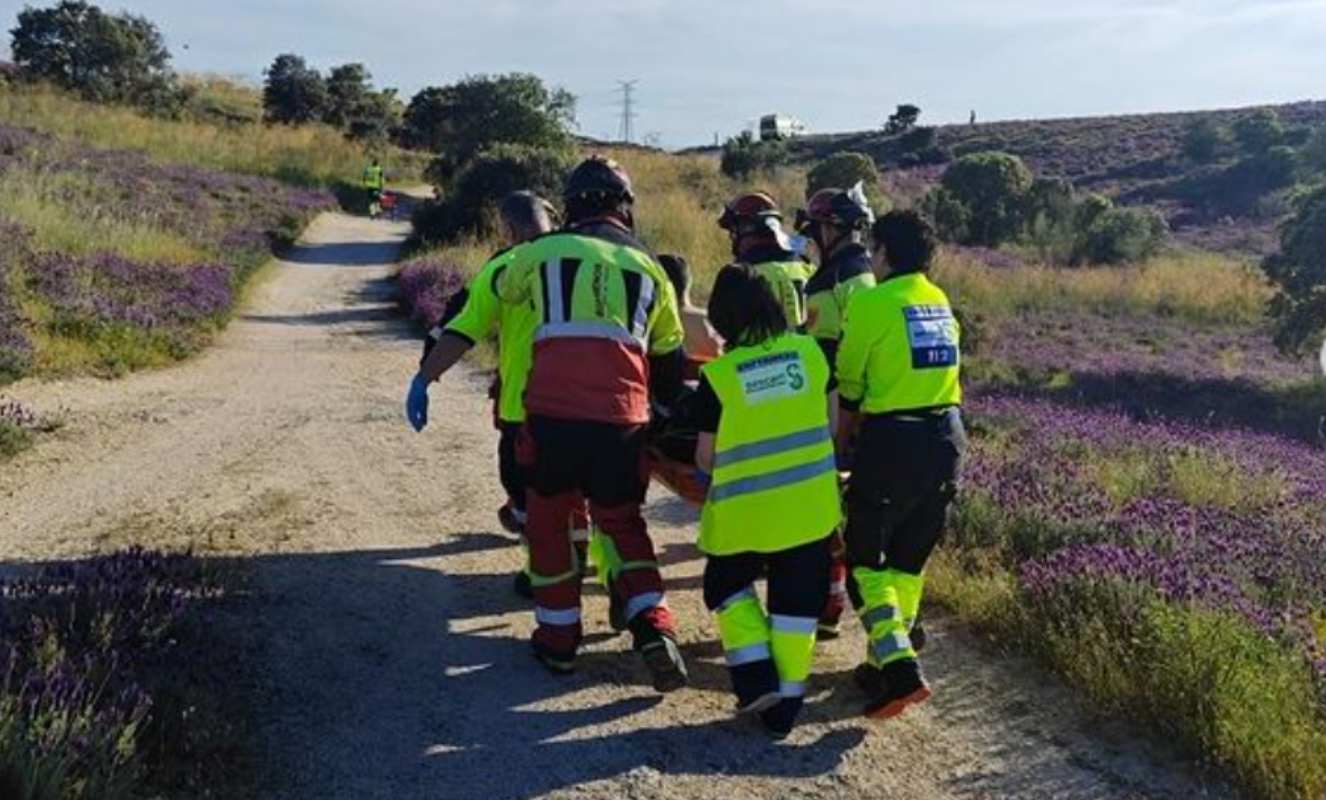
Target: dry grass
[[308, 155], [1201, 288]]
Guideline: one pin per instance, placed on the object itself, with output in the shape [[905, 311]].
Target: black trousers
[[904, 479], [604, 462], [798, 578], [509, 469]]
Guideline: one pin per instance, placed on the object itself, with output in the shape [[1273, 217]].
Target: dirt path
[[396, 660]]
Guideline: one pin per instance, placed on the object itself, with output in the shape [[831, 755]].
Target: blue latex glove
[[416, 403]]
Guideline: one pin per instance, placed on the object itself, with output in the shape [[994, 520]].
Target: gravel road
[[395, 662]]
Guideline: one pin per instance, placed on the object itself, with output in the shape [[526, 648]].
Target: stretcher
[[672, 450], [679, 477]]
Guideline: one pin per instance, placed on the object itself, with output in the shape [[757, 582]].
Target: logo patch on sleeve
[[932, 333]]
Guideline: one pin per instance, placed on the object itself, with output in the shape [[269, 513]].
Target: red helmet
[[835, 207], [749, 209], [599, 175]]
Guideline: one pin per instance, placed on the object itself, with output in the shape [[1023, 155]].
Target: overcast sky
[[714, 66]]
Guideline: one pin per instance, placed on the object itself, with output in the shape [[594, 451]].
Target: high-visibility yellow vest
[[373, 177], [587, 287], [900, 349], [788, 280], [775, 482]]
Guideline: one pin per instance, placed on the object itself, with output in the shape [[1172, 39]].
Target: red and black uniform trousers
[[606, 464], [904, 479]]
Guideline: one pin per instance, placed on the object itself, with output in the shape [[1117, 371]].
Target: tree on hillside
[[1203, 139], [294, 92], [348, 91], [843, 171], [1259, 131], [459, 121], [992, 188], [354, 106], [1313, 153], [1299, 273], [902, 119], [118, 58], [744, 155]]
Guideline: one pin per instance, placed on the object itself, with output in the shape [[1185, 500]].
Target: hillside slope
[[1135, 158]]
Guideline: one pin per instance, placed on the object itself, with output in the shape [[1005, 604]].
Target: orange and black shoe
[[892, 688], [661, 655]]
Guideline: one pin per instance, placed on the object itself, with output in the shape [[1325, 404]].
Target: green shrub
[[13, 439], [842, 171], [1203, 139], [1123, 235], [1313, 153], [952, 219], [1090, 209], [468, 207], [1299, 273], [992, 187], [293, 93], [1259, 131], [1238, 189], [744, 156]]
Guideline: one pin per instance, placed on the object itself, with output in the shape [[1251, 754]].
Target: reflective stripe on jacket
[[775, 484]]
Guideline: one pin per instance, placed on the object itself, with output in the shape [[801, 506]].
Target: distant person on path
[[898, 376], [835, 220], [773, 502], [754, 223], [609, 340], [701, 343], [374, 181]]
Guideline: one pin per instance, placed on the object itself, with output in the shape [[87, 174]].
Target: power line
[[627, 128]]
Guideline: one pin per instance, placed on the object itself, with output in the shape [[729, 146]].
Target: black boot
[[918, 637], [508, 518], [779, 720], [756, 686], [900, 684]]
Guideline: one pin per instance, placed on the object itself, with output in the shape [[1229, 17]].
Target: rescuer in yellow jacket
[[898, 367], [836, 221], [608, 343], [754, 223], [374, 182], [773, 503]]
